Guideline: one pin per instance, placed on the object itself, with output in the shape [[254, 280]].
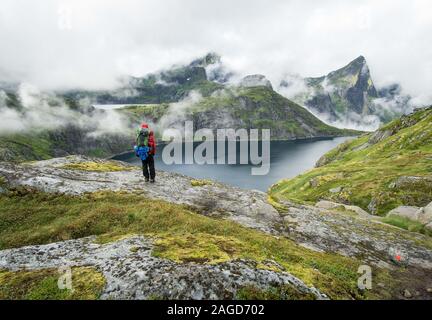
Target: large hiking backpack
[[143, 137], [142, 152]]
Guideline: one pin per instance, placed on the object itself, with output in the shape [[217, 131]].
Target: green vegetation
[[26, 146], [30, 217], [266, 108], [152, 112], [368, 168], [45, 144], [106, 166], [87, 284], [254, 107], [263, 108], [200, 182], [407, 224], [285, 292]]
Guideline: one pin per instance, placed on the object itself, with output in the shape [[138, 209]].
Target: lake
[[287, 159]]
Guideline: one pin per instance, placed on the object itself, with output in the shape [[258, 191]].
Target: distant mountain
[[204, 75], [243, 106], [348, 97], [251, 103]]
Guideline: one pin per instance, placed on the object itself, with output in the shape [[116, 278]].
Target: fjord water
[[287, 159]]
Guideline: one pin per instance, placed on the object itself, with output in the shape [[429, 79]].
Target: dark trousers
[[148, 165]]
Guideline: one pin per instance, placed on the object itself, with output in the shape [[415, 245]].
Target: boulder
[[405, 212], [405, 182], [336, 190], [425, 214], [324, 204], [372, 206], [422, 215], [255, 80], [407, 294]]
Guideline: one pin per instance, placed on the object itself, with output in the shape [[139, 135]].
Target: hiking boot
[[146, 179], [152, 181]]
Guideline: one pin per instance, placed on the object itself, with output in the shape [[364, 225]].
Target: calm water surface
[[287, 159]]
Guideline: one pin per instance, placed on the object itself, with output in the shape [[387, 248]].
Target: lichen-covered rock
[[425, 214], [335, 190], [405, 212], [325, 228], [333, 205], [248, 207], [131, 272], [405, 182], [421, 215]]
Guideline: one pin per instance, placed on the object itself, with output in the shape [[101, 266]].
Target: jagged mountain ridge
[[251, 104], [347, 97], [203, 74]]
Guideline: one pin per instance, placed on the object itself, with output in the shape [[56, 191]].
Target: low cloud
[[91, 44], [44, 111], [292, 86], [177, 112]]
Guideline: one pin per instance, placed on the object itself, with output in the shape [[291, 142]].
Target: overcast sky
[[89, 43]]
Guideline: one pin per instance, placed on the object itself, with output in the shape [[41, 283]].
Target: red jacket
[[152, 143]]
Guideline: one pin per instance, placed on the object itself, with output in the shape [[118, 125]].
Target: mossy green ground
[[180, 234], [285, 292], [367, 171], [87, 284], [407, 224], [106, 166], [34, 146], [200, 182]]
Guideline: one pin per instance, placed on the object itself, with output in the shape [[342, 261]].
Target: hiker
[[146, 149]]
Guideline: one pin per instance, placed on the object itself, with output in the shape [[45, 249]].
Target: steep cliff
[[348, 97], [248, 107], [378, 171]]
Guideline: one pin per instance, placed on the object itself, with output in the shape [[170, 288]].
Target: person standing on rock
[[146, 149]]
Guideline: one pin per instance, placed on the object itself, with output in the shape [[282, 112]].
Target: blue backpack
[[142, 152]]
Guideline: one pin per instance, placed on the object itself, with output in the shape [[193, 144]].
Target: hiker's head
[[144, 125]]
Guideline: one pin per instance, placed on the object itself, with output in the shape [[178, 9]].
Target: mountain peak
[[360, 58], [255, 80], [208, 59], [356, 66]]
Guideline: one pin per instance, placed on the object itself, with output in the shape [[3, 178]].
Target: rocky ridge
[[326, 227], [132, 272]]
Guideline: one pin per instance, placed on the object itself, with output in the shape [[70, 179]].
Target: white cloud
[[46, 111], [78, 43]]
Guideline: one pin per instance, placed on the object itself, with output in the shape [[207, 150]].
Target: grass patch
[[87, 284], [275, 204], [407, 224], [206, 248], [200, 182], [285, 292], [180, 234], [106, 166], [3, 183], [23, 147]]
